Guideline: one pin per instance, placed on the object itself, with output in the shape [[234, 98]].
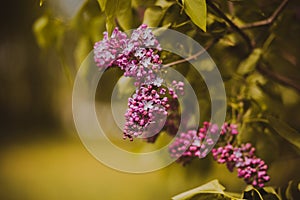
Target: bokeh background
[[41, 156]]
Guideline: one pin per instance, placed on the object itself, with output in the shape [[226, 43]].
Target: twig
[[267, 21], [250, 44], [230, 8], [279, 78], [194, 56]]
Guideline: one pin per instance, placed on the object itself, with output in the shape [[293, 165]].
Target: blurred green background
[[41, 156]]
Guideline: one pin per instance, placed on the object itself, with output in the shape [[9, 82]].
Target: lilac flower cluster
[[249, 167], [143, 107], [144, 65], [135, 55], [191, 144], [229, 128], [176, 88], [182, 148], [108, 49]]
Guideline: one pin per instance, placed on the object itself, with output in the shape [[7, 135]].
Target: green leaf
[[111, 9], [164, 4], [102, 4], [271, 192], [143, 3], [266, 193], [48, 32], [252, 193], [292, 190], [120, 10], [82, 49], [210, 190], [125, 14], [196, 10], [38, 28], [153, 16], [248, 65], [285, 131]]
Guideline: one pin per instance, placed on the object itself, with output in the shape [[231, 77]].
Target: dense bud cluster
[[110, 48], [191, 144], [137, 57], [249, 167], [144, 107]]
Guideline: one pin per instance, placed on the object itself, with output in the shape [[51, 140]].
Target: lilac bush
[[154, 107]]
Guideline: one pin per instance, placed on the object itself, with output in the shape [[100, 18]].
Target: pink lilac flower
[[176, 88], [142, 37], [254, 172], [108, 49], [249, 167], [135, 55], [144, 108], [229, 128], [186, 149], [182, 148], [192, 144], [147, 112], [144, 66]]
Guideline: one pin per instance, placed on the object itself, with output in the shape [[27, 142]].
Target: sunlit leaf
[[125, 14], [153, 16], [266, 193], [271, 191], [102, 4], [111, 9], [248, 65], [48, 32], [143, 3], [196, 10], [210, 190]]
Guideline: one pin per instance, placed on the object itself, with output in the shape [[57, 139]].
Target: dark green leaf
[[285, 131], [196, 10], [293, 190], [252, 193]]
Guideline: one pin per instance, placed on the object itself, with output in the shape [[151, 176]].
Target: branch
[[277, 77], [194, 56], [250, 44], [269, 20]]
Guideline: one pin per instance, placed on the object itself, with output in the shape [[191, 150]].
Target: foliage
[[214, 190], [254, 44]]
